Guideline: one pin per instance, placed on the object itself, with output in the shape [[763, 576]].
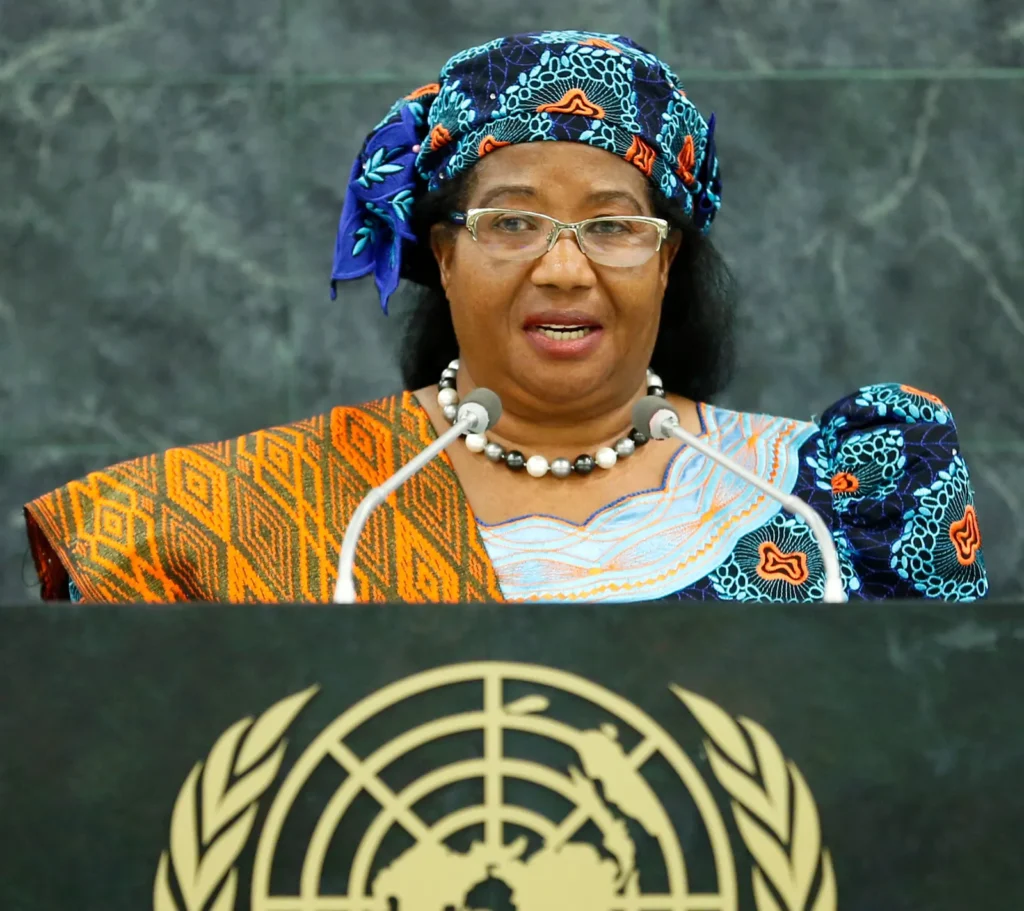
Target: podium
[[645, 757]]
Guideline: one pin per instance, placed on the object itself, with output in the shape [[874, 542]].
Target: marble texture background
[[171, 172]]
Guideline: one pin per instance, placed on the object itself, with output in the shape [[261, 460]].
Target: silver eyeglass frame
[[470, 217]]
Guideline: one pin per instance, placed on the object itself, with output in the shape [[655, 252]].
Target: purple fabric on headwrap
[[602, 90]]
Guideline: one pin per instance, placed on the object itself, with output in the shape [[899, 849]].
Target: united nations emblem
[[467, 787]]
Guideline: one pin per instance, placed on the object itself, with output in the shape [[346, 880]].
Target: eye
[[513, 223], [612, 226]]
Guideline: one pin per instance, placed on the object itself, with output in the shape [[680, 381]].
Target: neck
[[534, 428]]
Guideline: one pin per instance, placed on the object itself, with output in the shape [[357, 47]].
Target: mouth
[[564, 333], [561, 323]]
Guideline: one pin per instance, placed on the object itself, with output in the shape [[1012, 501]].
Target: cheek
[[478, 287], [638, 297], [481, 294]]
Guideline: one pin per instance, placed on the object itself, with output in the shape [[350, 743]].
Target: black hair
[[695, 349]]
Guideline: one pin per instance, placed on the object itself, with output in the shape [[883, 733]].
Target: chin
[[565, 383]]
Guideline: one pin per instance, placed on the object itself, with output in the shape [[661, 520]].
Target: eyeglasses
[[610, 240]]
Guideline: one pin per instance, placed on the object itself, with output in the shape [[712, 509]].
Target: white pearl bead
[[606, 457], [447, 397], [653, 379], [537, 466], [475, 442], [454, 365]]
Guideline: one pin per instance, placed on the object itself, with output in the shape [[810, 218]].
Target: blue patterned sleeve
[[903, 507]]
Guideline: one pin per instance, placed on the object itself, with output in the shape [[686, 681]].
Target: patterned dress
[[260, 518], [882, 466]]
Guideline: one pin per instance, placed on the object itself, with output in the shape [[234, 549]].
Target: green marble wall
[[171, 173]]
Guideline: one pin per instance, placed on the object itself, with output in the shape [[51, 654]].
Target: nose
[[565, 265]]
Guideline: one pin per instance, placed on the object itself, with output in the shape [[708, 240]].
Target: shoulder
[[870, 439], [873, 424], [878, 405], [901, 493], [726, 427], [348, 429], [888, 403], [771, 446], [883, 465], [361, 435], [120, 532]]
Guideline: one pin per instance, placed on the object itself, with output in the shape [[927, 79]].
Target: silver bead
[[561, 468], [494, 452], [653, 379], [448, 372], [606, 457], [625, 447], [454, 365], [447, 397], [451, 412]]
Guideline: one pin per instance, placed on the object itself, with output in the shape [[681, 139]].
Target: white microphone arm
[[654, 417], [478, 411]]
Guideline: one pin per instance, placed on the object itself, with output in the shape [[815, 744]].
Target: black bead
[[584, 464], [656, 390], [446, 382], [515, 460], [638, 438]]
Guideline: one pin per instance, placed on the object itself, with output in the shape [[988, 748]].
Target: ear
[[442, 244], [669, 251]]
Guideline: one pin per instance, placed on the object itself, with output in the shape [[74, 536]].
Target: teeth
[[563, 335]]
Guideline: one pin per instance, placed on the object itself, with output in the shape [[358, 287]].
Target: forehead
[[558, 168]]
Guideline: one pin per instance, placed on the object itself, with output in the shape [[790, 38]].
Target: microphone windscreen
[[646, 409], [487, 400]]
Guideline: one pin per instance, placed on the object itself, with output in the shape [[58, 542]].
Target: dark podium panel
[[644, 758]]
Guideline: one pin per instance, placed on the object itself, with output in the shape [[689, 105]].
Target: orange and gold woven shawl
[[261, 518]]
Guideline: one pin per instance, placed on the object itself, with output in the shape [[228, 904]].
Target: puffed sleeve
[[903, 513]]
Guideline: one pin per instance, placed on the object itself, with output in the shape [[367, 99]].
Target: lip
[[564, 349], [574, 318]]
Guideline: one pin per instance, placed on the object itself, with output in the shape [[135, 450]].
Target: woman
[[552, 194]]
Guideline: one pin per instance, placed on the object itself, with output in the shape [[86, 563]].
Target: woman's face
[[506, 313]]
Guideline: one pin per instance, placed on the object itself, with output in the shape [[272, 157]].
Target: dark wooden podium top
[[676, 735]]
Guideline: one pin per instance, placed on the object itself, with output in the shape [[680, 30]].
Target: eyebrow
[[598, 197], [508, 190], [615, 196]]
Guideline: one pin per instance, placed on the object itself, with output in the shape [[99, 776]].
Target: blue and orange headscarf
[[602, 90]]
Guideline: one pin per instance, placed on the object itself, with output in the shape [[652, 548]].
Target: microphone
[[654, 417], [478, 411]]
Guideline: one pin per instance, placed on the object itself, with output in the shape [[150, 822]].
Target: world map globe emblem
[[553, 835], [501, 786]]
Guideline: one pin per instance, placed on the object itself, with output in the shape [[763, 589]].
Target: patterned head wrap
[[602, 90]]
